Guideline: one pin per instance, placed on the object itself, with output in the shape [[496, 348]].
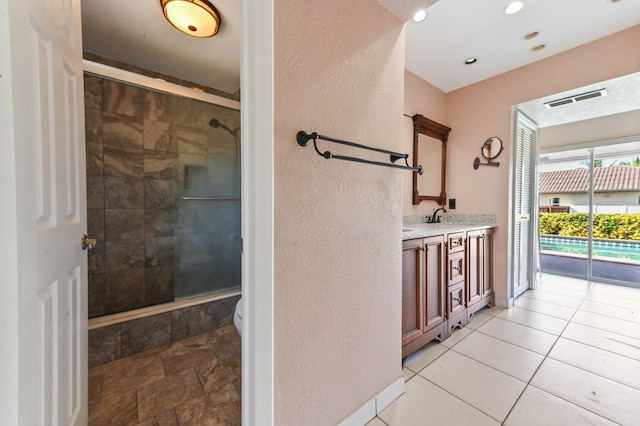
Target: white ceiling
[[136, 32], [458, 29]]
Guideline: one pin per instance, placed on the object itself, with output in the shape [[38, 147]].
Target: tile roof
[[607, 179]]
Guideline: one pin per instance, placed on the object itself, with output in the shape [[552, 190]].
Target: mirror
[[430, 151], [492, 148]]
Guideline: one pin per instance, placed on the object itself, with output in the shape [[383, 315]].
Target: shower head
[[215, 123]]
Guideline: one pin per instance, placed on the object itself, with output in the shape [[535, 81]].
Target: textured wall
[[482, 110], [339, 71]]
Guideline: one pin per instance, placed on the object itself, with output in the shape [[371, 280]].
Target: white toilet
[[237, 316]]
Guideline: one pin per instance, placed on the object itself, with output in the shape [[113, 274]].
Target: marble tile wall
[[138, 144], [131, 337]]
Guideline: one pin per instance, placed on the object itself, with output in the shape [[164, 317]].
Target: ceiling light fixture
[[198, 18], [470, 61], [514, 7], [538, 47], [531, 35], [420, 16]]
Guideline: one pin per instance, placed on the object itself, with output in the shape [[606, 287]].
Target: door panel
[[411, 290], [434, 298], [48, 123]]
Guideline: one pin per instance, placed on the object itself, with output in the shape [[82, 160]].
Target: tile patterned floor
[[567, 353], [191, 382]]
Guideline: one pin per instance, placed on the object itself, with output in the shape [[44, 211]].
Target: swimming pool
[[623, 250]]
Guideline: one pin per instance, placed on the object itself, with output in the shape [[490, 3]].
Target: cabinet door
[[412, 290], [434, 297], [487, 263], [475, 249]]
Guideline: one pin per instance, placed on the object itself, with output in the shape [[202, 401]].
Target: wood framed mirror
[[430, 151]]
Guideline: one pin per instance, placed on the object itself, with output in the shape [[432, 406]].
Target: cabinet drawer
[[455, 242], [455, 299], [455, 268]]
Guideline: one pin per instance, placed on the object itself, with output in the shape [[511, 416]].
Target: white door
[[522, 205], [46, 115]]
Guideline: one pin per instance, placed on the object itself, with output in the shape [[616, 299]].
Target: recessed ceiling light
[[420, 16], [470, 61], [538, 47], [514, 7], [531, 35], [614, 1]]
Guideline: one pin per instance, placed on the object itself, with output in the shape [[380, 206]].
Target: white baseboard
[[504, 303], [375, 405]]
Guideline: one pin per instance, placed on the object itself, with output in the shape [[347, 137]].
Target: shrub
[[614, 226]]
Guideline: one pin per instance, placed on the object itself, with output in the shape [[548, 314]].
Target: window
[[556, 201]]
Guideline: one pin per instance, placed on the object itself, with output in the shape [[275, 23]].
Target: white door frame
[[257, 93], [257, 112]]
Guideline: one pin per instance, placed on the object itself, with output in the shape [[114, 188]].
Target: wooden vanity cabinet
[[479, 286], [456, 301], [423, 293]]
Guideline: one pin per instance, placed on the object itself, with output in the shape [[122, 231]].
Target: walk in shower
[[163, 184]]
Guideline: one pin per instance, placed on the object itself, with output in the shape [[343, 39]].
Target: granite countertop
[[416, 227]]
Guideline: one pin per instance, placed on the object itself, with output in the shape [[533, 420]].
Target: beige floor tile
[[615, 301], [458, 335], [617, 291], [609, 399], [424, 403], [612, 342], [493, 311], [614, 325], [548, 287], [478, 319], [520, 335], [603, 363], [546, 308], [539, 408], [535, 320], [486, 388], [558, 299], [510, 359], [407, 374], [619, 312], [578, 284], [424, 356], [376, 422]]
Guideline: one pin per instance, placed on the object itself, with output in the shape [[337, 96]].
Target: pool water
[[616, 250]]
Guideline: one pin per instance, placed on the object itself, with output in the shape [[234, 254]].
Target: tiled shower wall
[[139, 142]]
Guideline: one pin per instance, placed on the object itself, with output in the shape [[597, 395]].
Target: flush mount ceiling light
[[420, 16], [531, 35], [470, 61], [197, 18], [514, 7]]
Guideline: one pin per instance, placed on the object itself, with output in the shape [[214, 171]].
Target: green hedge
[[614, 226]]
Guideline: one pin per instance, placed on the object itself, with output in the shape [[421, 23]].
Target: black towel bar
[[303, 139]]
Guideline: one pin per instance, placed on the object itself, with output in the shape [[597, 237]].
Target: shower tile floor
[[191, 382]]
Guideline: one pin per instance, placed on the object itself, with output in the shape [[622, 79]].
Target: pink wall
[[339, 71], [482, 110]]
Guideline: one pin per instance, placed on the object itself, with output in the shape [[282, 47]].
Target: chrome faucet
[[435, 218]]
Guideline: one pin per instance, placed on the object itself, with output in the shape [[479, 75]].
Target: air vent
[[577, 98]]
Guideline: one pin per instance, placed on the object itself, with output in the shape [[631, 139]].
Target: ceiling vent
[[577, 98]]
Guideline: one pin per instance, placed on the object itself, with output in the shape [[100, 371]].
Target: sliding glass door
[[589, 202]]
